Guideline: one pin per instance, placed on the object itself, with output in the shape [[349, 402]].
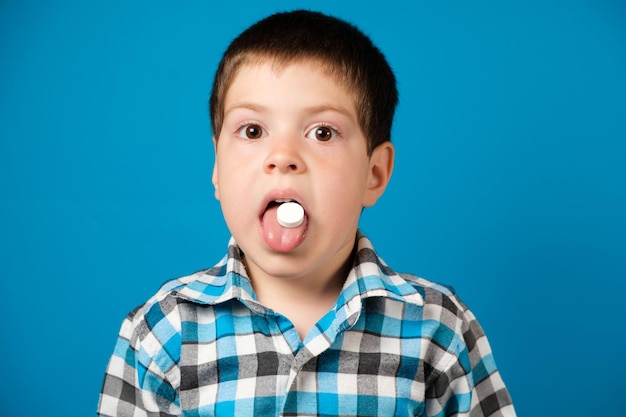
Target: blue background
[[510, 181]]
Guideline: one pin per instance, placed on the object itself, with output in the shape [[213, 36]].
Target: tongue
[[279, 238]]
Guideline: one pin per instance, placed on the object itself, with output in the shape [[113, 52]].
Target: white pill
[[290, 214]]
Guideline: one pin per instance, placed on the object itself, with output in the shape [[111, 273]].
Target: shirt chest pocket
[[359, 383], [246, 384]]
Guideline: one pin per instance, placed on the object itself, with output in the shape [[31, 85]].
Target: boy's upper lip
[[280, 194]]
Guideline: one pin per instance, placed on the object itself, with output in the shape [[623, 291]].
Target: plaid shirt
[[393, 345]]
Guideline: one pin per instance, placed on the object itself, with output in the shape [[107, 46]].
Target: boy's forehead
[[304, 84], [278, 66]]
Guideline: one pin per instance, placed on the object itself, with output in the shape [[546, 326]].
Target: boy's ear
[[214, 176], [380, 168]]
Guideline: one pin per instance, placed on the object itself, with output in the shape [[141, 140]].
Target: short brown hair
[[341, 48]]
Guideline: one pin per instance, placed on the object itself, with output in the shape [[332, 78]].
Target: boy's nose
[[284, 157]]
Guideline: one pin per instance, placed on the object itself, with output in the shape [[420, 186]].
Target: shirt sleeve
[[470, 384], [141, 374]]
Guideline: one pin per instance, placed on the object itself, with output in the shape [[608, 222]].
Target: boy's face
[[293, 134]]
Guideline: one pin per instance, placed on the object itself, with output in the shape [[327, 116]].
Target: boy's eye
[[322, 133], [251, 131]]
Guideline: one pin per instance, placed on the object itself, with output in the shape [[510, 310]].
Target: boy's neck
[[303, 300]]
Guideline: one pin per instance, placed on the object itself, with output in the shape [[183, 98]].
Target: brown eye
[[251, 131], [322, 133]]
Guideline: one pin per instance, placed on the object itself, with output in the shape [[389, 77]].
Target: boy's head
[[301, 109], [341, 49]]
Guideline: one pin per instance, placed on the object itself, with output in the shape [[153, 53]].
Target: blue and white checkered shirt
[[392, 345]]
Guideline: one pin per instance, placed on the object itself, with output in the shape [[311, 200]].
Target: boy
[[303, 319]]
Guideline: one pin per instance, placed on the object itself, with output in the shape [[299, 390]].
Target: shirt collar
[[228, 280]]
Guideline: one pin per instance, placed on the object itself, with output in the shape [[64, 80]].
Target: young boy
[[302, 318]]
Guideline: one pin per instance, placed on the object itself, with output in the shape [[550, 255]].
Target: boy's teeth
[[283, 200]]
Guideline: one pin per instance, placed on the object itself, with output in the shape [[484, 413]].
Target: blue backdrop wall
[[510, 181]]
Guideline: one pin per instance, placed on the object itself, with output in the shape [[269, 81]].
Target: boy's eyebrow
[[246, 106], [311, 109], [330, 107]]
